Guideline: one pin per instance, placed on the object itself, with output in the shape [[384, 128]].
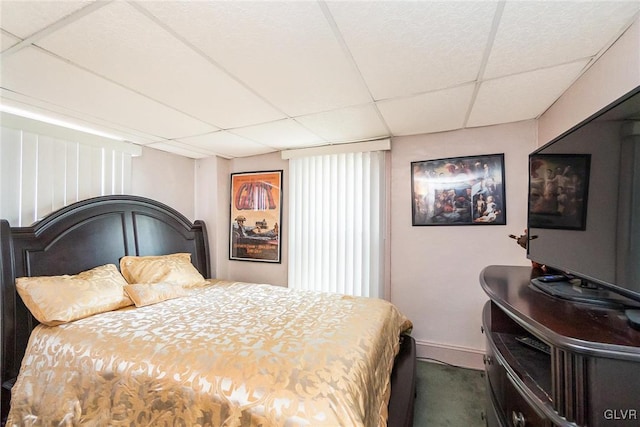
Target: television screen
[[584, 200]]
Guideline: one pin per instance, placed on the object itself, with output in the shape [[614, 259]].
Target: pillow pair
[[174, 268], [157, 278], [54, 300]]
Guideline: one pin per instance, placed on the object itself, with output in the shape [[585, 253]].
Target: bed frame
[[100, 231]]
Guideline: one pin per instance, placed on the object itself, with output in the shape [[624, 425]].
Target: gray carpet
[[448, 396]]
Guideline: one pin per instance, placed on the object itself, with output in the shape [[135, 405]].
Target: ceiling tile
[[281, 135], [236, 78], [24, 18], [39, 75], [7, 40], [122, 44], [407, 47], [226, 144], [431, 112], [522, 96], [286, 51], [351, 124], [181, 149], [538, 34]]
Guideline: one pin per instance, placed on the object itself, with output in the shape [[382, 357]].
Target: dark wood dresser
[[590, 375]]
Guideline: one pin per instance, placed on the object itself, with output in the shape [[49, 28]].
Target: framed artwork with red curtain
[[256, 216]]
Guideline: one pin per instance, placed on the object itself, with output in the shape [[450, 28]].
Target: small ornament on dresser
[[523, 240]]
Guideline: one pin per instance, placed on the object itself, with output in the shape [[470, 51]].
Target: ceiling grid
[[237, 78]]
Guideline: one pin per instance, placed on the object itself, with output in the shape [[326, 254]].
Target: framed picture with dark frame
[[459, 191], [256, 216], [558, 189]]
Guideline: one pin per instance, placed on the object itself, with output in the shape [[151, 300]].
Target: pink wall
[[165, 177], [435, 269], [218, 219]]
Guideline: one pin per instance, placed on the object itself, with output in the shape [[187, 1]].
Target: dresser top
[[581, 327]]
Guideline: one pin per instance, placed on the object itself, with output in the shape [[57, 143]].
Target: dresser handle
[[518, 419]]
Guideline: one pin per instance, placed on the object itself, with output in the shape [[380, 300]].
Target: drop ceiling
[[241, 78]]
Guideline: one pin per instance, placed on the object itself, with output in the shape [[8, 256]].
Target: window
[[337, 223]]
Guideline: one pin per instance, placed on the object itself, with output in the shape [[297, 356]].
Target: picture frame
[[466, 190], [256, 216], [558, 190]]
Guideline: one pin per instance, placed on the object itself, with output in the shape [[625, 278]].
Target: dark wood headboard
[[78, 237]]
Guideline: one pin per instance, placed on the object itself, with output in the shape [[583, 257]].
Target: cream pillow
[[150, 293], [59, 299], [174, 268]]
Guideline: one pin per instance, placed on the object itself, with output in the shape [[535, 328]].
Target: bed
[[106, 231]]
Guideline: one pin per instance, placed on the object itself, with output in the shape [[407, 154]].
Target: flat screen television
[[584, 208]]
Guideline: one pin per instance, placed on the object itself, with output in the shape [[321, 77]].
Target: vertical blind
[[336, 223], [40, 172]]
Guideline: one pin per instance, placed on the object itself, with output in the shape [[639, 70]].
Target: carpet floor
[[448, 396]]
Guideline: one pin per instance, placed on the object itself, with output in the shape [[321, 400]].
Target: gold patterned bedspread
[[229, 354]]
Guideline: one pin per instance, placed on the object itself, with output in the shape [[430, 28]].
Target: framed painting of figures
[[459, 191]]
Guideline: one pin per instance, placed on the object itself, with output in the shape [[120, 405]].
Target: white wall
[[199, 189], [246, 271], [209, 188], [435, 269], [165, 177]]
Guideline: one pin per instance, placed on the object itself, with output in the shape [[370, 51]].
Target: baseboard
[[470, 358]]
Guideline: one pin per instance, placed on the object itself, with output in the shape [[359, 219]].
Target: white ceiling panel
[[42, 76], [120, 43], [281, 135], [539, 34], [24, 18], [7, 40], [346, 125], [406, 48], [284, 50], [226, 144], [239, 78], [501, 99], [180, 149], [431, 112]]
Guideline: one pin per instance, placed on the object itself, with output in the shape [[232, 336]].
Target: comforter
[[228, 354]]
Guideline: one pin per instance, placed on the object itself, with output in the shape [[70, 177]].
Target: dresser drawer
[[494, 416], [506, 397], [496, 375], [518, 411]]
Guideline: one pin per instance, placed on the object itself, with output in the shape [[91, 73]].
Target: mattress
[[227, 354]]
